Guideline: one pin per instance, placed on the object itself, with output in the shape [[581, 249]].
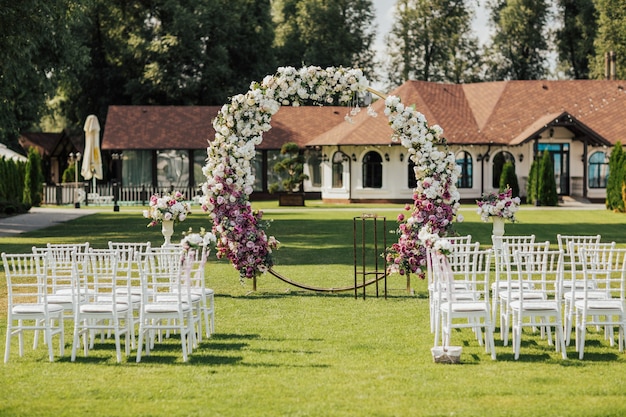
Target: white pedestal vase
[[167, 228], [498, 230]]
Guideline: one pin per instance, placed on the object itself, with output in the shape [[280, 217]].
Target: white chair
[[127, 265], [607, 269], [463, 298], [166, 302], [573, 285], [28, 305], [506, 282], [101, 306], [194, 269], [534, 297], [514, 243], [457, 244]]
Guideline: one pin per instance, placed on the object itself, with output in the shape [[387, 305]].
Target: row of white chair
[[532, 287], [109, 291]]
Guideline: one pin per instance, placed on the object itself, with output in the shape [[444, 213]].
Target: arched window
[[464, 160], [315, 169], [498, 162], [411, 175], [338, 170], [598, 170], [372, 170]]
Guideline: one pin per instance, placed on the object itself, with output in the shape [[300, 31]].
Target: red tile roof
[[190, 127], [505, 112]]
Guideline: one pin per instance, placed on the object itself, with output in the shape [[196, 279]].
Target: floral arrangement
[[239, 127], [193, 241], [435, 198], [498, 204], [167, 207]]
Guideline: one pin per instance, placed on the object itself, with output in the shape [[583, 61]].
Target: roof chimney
[[613, 64]]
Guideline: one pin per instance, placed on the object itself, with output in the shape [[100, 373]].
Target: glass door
[[559, 153]]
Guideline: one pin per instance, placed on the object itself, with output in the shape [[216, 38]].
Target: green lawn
[[280, 351]]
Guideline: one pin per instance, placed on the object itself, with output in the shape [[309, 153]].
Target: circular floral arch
[[239, 127]]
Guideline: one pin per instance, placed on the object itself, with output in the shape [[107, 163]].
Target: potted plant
[[291, 168]]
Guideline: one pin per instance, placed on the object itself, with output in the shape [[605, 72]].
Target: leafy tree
[[615, 181], [508, 179], [325, 33], [431, 40], [291, 168], [519, 46], [531, 186], [166, 52], [611, 36], [547, 185], [574, 40], [35, 47], [33, 182]]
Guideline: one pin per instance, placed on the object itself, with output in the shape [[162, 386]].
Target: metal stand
[[373, 248]]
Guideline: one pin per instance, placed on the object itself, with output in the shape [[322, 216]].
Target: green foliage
[[69, 175], [325, 33], [547, 185], [291, 167], [615, 181], [519, 46], [574, 40], [508, 179], [611, 36], [531, 186], [35, 47], [432, 41], [33, 182], [12, 187]]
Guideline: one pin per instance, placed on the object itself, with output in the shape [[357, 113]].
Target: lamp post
[[75, 159], [116, 184]]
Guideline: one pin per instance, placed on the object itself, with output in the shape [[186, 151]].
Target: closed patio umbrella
[[92, 160]]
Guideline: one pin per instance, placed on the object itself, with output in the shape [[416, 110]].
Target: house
[[54, 149], [485, 124]]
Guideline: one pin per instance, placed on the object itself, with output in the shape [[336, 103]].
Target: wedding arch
[[239, 127]]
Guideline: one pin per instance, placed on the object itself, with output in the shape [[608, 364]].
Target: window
[[372, 170], [338, 170], [598, 170], [464, 160], [137, 168], [199, 161], [498, 162], [315, 168], [173, 168], [411, 175], [256, 167]]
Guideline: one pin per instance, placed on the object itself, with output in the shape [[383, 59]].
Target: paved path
[[39, 218]]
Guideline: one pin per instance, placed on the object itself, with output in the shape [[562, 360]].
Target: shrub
[[531, 186], [291, 168], [33, 181], [508, 179], [615, 182], [547, 185]]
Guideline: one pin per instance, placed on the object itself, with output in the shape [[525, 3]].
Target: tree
[[574, 40], [533, 178], [432, 41], [35, 47], [291, 168], [611, 36], [166, 52], [547, 195], [33, 181], [519, 47], [615, 182], [325, 33], [508, 179]]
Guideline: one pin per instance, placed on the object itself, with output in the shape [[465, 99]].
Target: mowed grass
[[281, 351]]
